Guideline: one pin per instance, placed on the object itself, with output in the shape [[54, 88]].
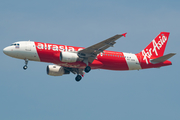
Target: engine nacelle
[[68, 57], [55, 70]]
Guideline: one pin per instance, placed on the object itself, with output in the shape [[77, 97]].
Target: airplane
[[80, 60]]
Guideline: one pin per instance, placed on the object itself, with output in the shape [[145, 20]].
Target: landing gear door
[[28, 46]]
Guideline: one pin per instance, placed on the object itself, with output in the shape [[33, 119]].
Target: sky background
[[151, 94]]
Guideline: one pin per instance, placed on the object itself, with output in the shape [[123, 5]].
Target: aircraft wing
[[91, 52]]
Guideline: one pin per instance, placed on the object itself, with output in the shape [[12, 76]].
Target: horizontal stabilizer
[[162, 59]]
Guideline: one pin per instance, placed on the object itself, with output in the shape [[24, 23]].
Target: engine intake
[[55, 70], [68, 57]]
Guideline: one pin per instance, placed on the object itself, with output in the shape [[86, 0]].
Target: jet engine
[[55, 70], [68, 57]]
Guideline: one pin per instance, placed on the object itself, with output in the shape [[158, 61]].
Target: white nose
[[5, 50]]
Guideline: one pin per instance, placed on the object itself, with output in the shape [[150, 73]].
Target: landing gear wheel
[[87, 69], [78, 78], [25, 67]]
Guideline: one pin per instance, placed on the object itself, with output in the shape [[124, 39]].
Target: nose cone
[[5, 50]]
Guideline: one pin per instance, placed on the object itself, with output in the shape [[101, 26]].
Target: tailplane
[[162, 59]]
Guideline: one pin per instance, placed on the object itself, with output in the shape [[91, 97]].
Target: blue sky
[[102, 94]]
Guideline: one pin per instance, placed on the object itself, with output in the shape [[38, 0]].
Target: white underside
[[132, 61]]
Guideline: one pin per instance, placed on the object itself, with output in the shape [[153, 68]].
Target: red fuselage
[[110, 60]]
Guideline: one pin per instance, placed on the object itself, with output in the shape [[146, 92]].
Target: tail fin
[[156, 48]]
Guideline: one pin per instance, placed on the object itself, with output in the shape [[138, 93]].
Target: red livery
[[78, 60]]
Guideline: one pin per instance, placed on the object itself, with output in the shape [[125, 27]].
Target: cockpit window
[[15, 44]]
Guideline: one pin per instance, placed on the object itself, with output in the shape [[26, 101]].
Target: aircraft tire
[[25, 67], [78, 78], [87, 69]]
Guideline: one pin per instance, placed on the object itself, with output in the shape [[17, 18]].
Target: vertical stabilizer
[[156, 48]]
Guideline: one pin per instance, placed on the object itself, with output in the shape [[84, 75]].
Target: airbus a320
[[79, 60]]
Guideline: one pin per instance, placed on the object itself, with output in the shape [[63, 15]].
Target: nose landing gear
[[25, 66]]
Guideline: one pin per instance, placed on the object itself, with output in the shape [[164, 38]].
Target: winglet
[[124, 34]]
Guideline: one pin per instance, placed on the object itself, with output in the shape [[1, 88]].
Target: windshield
[[15, 44]]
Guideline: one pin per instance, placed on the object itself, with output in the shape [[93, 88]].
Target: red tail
[[156, 48]]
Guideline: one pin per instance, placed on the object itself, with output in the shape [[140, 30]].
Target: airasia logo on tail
[[156, 47], [159, 44]]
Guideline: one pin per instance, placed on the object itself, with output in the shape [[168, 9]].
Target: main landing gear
[[78, 78], [87, 69], [25, 66], [79, 74]]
